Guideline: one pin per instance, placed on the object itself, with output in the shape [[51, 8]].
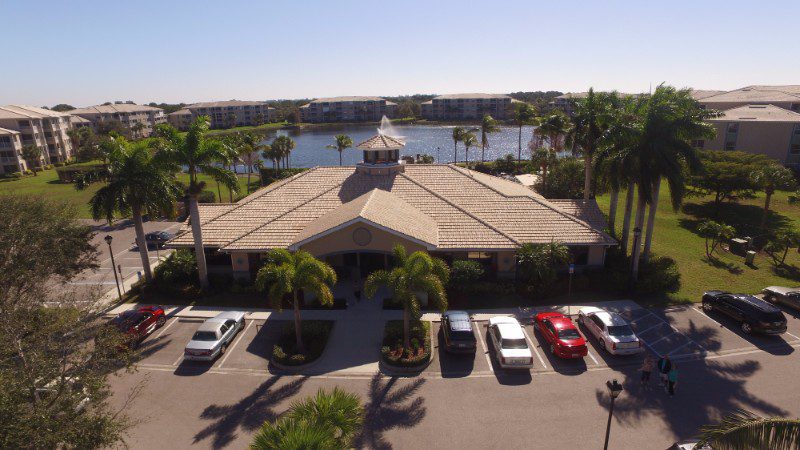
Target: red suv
[[137, 324]]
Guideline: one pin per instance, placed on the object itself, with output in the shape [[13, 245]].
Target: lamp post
[[108, 240], [614, 389]]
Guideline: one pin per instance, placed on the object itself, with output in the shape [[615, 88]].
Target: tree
[[727, 174], [524, 114], [343, 142], [62, 107], [138, 184], [565, 180], [338, 410], [283, 145], [290, 273], [778, 248], [553, 128], [714, 233], [743, 430], [590, 120], [411, 276], [539, 263], [770, 178], [488, 126], [458, 134], [469, 140], [136, 129], [250, 145], [198, 155], [32, 155]]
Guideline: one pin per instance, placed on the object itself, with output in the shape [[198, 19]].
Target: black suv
[[457, 332], [753, 314]]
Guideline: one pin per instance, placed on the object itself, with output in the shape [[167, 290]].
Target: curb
[[302, 367], [390, 369]]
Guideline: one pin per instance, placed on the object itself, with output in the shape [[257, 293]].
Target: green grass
[[257, 128], [674, 236], [47, 184]]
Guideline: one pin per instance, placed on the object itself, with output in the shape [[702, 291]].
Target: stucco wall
[[343, 241], [768, 138], [597, 256], [240, 262]]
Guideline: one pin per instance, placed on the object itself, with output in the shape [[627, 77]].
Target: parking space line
[[679, 348], [795, 337], [241, 336], [177, 361], [533, 347], [591, 356], [648, 328], [483, 345], [165, 328], [664, 337], [675, 330]]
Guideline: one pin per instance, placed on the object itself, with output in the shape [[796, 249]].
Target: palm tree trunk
[[766, 210], [141, 242], [587, 170], [298, 331], [406, 328], [651, 220], [483, 153], [197, 234], [340, 158], [637, 245], [519, 147], [230, 195], [612, 212], [249, 172], [455, 152], [219, 192], [626, 219]]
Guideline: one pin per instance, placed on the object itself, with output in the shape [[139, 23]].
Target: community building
[[29, 125], [352, 217], [467, 107], [224, 114], [141, 120], [347, 109]]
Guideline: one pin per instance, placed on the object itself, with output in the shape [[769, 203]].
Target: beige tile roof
[[114, 108], [225, 103], [78, 119], [381, 142], [757, 94], [586, 210], [380, 208], [181, 112], [757, 113], [348, 99], [27, 112], [470, 96], [698, 94], [475, 212]]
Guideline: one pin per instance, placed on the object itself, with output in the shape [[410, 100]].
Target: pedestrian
[[664, 366], [672, 380], [647, 367]]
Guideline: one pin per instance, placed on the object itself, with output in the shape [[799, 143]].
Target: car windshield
[[514, 343], [462, 336], [772, 317], [204, 336], [568, 335], [620, 330]]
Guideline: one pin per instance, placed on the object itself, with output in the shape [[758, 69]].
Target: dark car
[[752, 314], [157, 238], [457, 332], [780, 295], [137, 324]]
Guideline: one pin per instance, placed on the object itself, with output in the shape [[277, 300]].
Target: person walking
[[664, 366], [647, 368], [672, 380]]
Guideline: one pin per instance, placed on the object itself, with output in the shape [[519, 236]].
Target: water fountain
[[382, 151], [387, 129]]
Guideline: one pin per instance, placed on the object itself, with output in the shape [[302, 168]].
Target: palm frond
[[745, 430]]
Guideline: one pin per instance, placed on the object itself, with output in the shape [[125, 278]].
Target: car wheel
[[161, 321], [746, 328], [707, 307], [223, 349]]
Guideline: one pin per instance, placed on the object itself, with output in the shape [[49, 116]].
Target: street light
[[108, 239], [614, 389]]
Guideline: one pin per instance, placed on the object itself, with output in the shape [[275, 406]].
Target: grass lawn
[[675, 236], [48, 185]]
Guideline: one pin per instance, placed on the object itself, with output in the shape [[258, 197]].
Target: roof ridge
[[460, 208], [469, 173]]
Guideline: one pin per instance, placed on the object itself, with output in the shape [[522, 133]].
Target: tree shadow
[[745, 218], [731, 267], [389, 407], [249, 413], [790, 272]]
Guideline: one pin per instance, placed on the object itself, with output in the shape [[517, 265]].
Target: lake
[[433, 140]]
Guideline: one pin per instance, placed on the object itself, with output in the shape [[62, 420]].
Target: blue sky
[[88, 52]]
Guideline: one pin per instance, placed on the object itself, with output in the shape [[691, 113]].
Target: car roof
[[782, 289], [502, 319], [223, 316], [510, 331], [459, 320], [210, 325], [590, 310], [610, 318], [756, 303], [561, 323]]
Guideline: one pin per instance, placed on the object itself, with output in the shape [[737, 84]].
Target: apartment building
[[226, 114], [765, 129], [467, 107], [141, 120], [43, 128], [566, 102], [11, 152], [347, 109], [786, 97]]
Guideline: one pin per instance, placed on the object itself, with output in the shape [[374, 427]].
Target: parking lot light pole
[[108, 240], [614, 389]]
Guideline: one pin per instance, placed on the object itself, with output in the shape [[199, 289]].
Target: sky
[[86, 52]]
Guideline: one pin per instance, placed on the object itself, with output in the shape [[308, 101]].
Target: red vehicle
[[563, 336], [137, 324]]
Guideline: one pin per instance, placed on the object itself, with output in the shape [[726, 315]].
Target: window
[[598, 322], [24, 123], [223, 328]]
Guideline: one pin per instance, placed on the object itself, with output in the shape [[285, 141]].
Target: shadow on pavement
[[772, 344], [454, 365], [390, 406]]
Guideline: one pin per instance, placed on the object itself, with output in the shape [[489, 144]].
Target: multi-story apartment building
[[765, 129], [348, 109], [11, 152], [566, 102], [43, 128], [226, 114], [141, 120], [786, 97], [467, 107]]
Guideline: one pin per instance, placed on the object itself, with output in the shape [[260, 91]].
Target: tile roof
[[115, 108], [757, 113], [470, 96], [381, 142], [699, 94], [586, 210], [27, 112], [470, 210], [78, 119], [757, 94], [181, 112], [348, 99], [5, 131], [225, 103]]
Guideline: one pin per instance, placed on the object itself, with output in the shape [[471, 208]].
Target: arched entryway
[[357, 264]]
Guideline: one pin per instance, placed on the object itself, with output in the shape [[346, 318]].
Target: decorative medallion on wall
[[362, 236]]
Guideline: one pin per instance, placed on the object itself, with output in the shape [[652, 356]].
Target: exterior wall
[[148, 118], [343, 241], [348, 111], [506, 264], [180, 121], [230, 116], [11, 153], [597, 256], [466, 108], [240, 263], [47, 133], [773, 139]]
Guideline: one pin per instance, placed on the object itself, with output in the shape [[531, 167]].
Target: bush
[[220, 281], [465, 272], [392, 351], [37, 169], [48, 167], [565, 179], [16, 175], [180, 268], [315, 338], [659, 275], [59, 164], [206, 197], [491, 288], [28, 172]]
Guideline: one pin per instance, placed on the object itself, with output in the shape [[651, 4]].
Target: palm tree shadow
[[732, 268], [249, 413], [389, 407], [790, 272]]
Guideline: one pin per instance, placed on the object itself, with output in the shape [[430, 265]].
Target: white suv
[[612, 332], [510, 345]]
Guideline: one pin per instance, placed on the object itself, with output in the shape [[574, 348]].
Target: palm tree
[[488, 125], [771, 178], [412, 275], [32, 155], [343, 142], [338, 410], [554, 128], [469, 140], [744, 430], [198, 155], [283, 145], [292, 434], [136, 129], [590, 120], [271, 153], [524, 114], [248, 152], [458, 134], [139, 183], [289, 273]]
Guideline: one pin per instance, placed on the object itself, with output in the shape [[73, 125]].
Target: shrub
[[179, 268], [220, 281], [59, 164], [16, 175], [315, 337], [48, 167], [392, 350], [37, 169], [206, 197], [465, 272], [269, 175], [28, 172], [491, 288], [659, 274]]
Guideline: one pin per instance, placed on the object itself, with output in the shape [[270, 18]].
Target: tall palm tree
[[771, 178], [283, 145], [412, 275], [469, 140], [524, 114], [272, 154], [743, 430], [554, 128], [591, 118], [289, 273], [248, 152], [139, 183], [198, 155], [343, 142], [488, 126], [458, 134]]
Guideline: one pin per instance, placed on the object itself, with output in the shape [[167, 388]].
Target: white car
[[612, 332], [510, 345], [214, 336]]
